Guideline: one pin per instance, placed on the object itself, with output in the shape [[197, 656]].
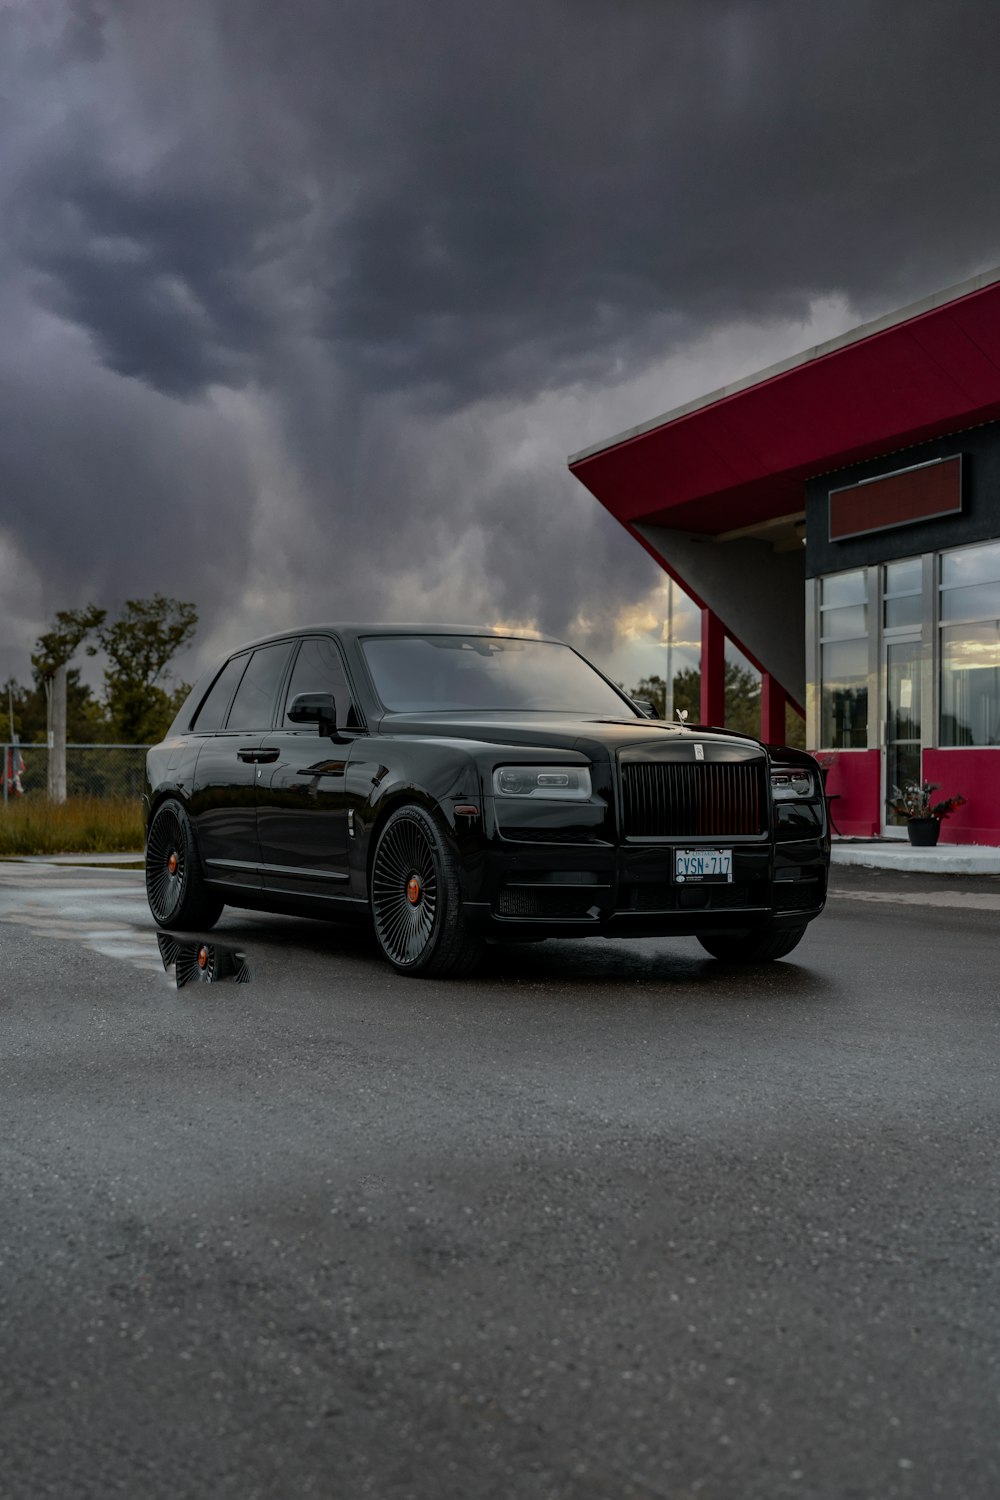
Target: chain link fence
[[91, 771]]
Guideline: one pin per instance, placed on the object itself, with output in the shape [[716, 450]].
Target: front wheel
[[416, 900], [753, 947], [175, 883]]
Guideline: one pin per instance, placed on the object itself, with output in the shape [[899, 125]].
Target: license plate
[[706, 866]]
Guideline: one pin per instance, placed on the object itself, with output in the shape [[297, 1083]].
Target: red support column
[[713, 670], [772, 710]]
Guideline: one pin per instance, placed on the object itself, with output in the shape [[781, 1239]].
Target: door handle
[[253, 756]]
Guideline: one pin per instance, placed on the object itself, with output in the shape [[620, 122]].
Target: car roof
[[355, 629]]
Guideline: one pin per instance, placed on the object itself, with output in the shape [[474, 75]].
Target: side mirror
[[644, 706], [314, 708]]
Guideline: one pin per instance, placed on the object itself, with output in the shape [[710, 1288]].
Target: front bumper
[[629, 890]]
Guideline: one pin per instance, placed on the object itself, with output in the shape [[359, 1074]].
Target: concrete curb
[[944, 859]]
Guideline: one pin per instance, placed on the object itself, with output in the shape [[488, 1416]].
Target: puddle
[[113, 920]]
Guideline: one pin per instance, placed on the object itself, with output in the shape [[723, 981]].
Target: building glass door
[[902, 721]]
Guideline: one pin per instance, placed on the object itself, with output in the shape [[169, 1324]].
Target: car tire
[[416, 901], [753, 947], [175, 881]]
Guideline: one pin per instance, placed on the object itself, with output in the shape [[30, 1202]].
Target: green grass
[[82, 825]]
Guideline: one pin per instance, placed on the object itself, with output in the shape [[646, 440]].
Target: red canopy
[[739, 456]]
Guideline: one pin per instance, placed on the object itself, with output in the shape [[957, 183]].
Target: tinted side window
[[213, 709], [254, 702], [319, 669]]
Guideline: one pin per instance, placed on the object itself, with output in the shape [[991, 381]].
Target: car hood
[[589, 736]]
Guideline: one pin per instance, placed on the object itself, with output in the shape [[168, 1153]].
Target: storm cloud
[[305, 304]]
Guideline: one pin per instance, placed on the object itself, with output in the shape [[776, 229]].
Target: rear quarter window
[[211, 715]]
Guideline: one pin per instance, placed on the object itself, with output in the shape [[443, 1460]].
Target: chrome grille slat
[[706, 799]]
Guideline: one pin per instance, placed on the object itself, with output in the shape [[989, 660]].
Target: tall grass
[[81, 825]]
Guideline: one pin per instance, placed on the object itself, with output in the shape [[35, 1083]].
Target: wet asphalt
[[608, 1220]]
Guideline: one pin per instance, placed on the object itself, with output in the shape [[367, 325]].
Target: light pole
[[668, 696]]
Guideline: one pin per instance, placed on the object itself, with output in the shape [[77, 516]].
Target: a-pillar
[[772, 710], [713, 669]]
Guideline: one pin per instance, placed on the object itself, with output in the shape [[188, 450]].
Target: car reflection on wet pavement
[[108, 915], [202, 961]]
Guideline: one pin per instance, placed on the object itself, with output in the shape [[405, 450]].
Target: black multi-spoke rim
[[404, 891], [165, 865], [197, 963]]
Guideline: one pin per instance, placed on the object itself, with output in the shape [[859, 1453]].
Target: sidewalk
[[138, 860], [899, 854]]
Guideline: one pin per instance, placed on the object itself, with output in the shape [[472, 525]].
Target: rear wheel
[[415, 898], [752, 947], [175, 882]]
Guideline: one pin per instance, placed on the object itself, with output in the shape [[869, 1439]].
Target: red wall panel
[[854, 781], [975, 775]]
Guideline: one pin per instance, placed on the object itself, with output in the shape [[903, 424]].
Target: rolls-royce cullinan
[[457, 786]]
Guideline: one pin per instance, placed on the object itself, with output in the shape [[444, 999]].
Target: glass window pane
[[977, 602], [843, 624], [971, 565], [318, 669], [844, 588], [844, 696], [904, 611], [970, 684], [904, 577], [253, 705], [445, 672], [213, 710]]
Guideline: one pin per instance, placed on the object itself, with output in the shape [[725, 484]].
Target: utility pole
[[53, 654], [55, 693], [7, 770]]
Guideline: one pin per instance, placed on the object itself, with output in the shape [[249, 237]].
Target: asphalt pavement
[[608, 1220]]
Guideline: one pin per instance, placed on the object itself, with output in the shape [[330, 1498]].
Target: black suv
[[457, 785]]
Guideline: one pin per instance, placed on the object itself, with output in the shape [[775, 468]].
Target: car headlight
[[548, 783], [792, 785]]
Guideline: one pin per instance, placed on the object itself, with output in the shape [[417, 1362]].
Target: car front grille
[[675, 799]]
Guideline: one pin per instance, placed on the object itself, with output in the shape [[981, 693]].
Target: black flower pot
[[924, 832]]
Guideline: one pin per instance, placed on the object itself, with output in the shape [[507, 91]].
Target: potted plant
[[912, 801]]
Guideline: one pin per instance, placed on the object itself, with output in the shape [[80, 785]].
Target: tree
[[742, 689], [654, 690], [86, 721], [59, 645], [140, 645], [139, 699], [742, 696], [53, 651]]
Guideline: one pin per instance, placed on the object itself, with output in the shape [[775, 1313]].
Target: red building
[[838, 518]]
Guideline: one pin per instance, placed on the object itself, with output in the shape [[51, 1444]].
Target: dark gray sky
[[303, 305]]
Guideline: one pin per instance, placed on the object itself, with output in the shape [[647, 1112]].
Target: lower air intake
[[545, 903]]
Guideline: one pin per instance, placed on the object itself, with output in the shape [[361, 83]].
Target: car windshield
[[435, 673]]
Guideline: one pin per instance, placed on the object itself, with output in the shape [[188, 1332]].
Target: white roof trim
[[853, 336]]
